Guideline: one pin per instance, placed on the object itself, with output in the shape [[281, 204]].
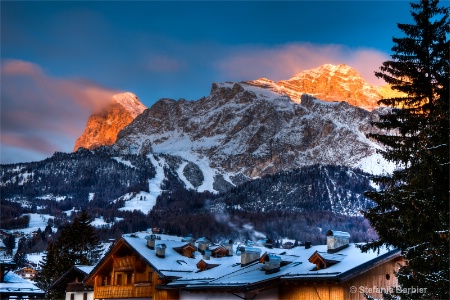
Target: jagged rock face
[[102, 127], [245, 129], [330, 83]]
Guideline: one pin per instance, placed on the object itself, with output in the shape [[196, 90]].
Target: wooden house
[[168, 269], [13, 286], [27, 273], [131, 269]]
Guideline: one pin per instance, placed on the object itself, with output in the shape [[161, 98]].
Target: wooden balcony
[[124, 291]]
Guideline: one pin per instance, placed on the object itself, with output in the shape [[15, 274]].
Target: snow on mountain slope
[[242, 131], [144, 201]]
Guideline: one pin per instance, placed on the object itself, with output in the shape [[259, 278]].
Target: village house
[[72, 282], [27, 272], [13, 286], [170, 268]]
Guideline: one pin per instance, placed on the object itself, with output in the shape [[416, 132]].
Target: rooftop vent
[[161, 250], [249, 255], [228, 244], [272, 263], [151, 241], [203, 244], [337, 240], [207, 254], [307, 245]]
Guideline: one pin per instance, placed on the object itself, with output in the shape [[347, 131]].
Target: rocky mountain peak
[[331, 83], [102, 127]]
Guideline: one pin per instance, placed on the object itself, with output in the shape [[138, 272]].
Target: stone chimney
[[161, 250], [249, 255], [228, 244], [203, 244], [337, 240], [207, 254], [272, 263], [307, 245], [151, 241]]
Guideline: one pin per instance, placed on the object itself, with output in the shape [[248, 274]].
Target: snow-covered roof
[[84, 268], [15, 285], [229, 272]]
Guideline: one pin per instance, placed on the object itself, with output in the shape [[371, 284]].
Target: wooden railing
[[123, 291], [124, 263]]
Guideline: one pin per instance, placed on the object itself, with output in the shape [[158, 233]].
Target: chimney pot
[[337, 240], [249, 255], [272, 263], [161, 250]]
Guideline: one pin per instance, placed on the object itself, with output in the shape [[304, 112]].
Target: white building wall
[[264, 295], [79, 295]]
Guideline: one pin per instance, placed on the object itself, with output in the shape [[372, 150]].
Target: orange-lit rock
[[331, 83], [102, 127]]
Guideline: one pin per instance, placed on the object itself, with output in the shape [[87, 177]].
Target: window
[[150, 277], [84, 296], [119, 279], [72, 296], [106, 280], [388, 276], [129, 278]]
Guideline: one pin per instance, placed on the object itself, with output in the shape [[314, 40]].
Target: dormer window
[[202, 265], [186, 250], [323, 260]]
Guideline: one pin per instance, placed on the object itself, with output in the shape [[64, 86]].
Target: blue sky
[[61, 60]]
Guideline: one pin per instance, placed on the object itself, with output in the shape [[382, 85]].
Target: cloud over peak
[[42, 113], [283, 61]]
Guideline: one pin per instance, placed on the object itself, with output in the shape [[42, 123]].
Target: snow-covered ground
[[36, 221], [144, 201]]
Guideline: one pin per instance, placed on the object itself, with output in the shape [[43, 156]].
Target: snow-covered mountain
[[237, 134], [242, 131], [331, 83], [102, 127]]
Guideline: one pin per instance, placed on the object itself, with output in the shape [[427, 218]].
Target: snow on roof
[[84, 268], [229, 272], [17, 285]]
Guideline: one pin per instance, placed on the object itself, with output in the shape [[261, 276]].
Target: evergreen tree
[[47, 274], [412, 211], [20, 258], [77, 244]]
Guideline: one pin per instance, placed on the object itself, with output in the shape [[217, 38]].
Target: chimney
[[249, 255], [228, 244], [151, 241], [307, 245], [272, 263], [207, 254], [161, 250], [203, 244], [337, 240]]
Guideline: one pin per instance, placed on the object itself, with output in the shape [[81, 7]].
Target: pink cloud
[[45, 113], [282, 62], [28, 142], [20, 67]]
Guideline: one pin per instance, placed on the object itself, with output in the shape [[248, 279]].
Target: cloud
[[42, 113], [283, 61]]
